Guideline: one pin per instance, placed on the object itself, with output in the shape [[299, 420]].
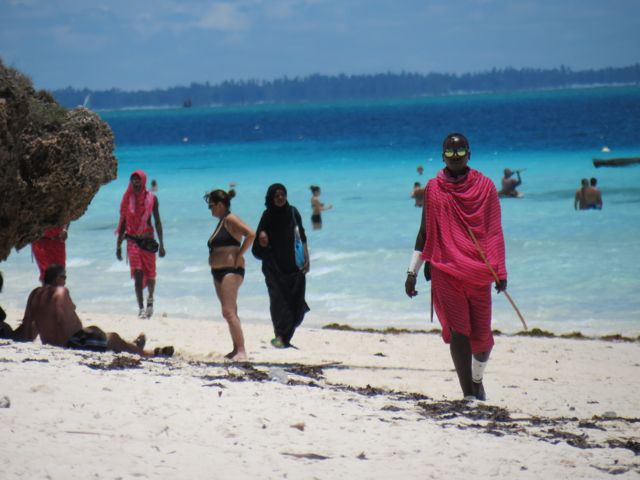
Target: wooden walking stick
[[432, 303], [495, 275]]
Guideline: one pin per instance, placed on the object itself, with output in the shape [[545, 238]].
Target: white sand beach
[[355, 405]]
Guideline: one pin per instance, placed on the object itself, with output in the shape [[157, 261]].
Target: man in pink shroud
[[458, 202], [50, 248], [136, 208]]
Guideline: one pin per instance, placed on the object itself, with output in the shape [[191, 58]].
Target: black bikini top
[[222, 238]]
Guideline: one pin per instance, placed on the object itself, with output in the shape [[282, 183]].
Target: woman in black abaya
[[285, 281]]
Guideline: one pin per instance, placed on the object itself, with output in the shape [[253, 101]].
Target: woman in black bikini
[[226, 259]]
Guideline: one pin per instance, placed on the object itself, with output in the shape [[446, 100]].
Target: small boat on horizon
[[615, 162], [85, 103]]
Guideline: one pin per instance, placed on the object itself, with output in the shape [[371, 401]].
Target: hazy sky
[[144, 44]]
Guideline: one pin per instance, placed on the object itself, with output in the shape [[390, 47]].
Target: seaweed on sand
[[117, 363], [384, 331]]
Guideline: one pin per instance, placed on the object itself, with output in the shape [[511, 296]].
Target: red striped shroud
[[454, 205]]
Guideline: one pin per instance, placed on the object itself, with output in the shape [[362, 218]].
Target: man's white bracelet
[[415, 263]]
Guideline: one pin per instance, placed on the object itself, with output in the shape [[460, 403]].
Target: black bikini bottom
[[219, 273]]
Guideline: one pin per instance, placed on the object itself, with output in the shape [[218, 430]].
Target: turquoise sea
[[568, 270]]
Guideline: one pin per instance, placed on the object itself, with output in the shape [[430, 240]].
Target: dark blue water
[[568, 270], [559, 120]]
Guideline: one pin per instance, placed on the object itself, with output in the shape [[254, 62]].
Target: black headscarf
[[280, 219], [271, 193]]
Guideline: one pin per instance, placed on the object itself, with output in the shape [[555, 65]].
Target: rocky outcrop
[[52, 161]]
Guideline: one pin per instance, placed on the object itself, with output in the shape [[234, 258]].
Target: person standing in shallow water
[[458, 201], [417, 193], [509, 184], [226, 259], [579, 202], [286, 283], [592, 196], [136, 209], [317, 207]]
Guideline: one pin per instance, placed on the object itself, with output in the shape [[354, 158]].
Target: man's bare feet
[[236, 356], [163, 351], [140, 341]]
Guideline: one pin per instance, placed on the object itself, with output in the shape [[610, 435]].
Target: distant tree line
[[349, 87]]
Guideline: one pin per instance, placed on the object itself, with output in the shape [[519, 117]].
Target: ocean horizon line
[[362, 102]]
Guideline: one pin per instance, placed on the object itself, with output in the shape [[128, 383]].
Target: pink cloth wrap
[[464, 308], [140, 259], [49, 249], [460, 280], [136, 209], [452, 207]]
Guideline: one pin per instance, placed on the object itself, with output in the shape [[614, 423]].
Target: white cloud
[[78, 42], [280, 9], [224, 17], [22, 3]]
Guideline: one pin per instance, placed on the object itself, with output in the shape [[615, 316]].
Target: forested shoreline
[[348, 87]]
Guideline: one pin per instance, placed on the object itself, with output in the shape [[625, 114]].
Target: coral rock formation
[[52, 161]]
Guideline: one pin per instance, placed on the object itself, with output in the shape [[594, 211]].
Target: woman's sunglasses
[[458, 152]]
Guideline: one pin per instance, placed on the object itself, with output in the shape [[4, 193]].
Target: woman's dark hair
[[52, 272], [314, 188], [220, 196]]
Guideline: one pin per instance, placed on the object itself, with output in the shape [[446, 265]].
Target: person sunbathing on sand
[[51, 313], [3, 326]]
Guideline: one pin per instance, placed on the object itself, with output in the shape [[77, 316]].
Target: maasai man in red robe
[[50, 248], [458, 201], [136, 208]]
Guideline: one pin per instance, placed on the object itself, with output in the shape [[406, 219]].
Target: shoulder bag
[[298, 247]]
